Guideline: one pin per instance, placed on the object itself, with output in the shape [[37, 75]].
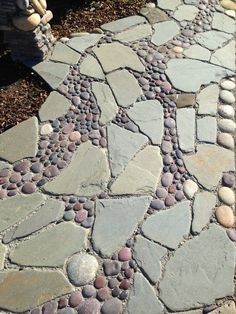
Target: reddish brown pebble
[[172, 189], [15, 177], [129, 273], [4, 173], [75, 299], [124, 254], [68, 128], [103, 142], [125, 284], [75, 136], [3, 180], [63, 302], [103, 294], [170, 200], [84, 138], [50, 308], [51, 171], [28, 188], [81, 215], [100, 282], [78, 206], [3, 194], [22, 166]]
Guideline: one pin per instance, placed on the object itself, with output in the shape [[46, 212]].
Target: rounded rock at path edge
[[225, 216]]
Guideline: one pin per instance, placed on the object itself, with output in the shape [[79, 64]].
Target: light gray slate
[[90, 67], [115, 55], [185, 120], [197, 52], [20, 142], [106, 102], [170, 226], [136, 33], [154, 15], [125, 87], [54, 106], [51, 211], [203, 205], [168, 4], [207, 100], [180, 70], [122, 217], [86, 175], [225, 56], [142, 296], [81, 43], [52, 73], [212, 39], [201, 271], [148, 257], [185, 12], [207, 129], [122, 146], [51, 247], [224, 23], [5, 165], [149, 116], [194, 2], [64, 54], [164, 31], [123, 24]]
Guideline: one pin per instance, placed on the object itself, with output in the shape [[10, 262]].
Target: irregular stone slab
[[186, 128], [154, 15], [164, 32], [141, 175], [52, 73], [122, 217], [180, 70], [227, 308], [197, 52], [105, 101], [136, 33], [3, 250], [114, 56], [18, 207], [81, 43], [122, 24], [185, 12], [207, 100], [184, 100], [142, 294], [224, 23], [148, 256], [86, 175], [63, 240], [62, 53], [209, 274], [170, 226], [212, 39], [168, 4], [20, 142], [26, 289], [203, 205], [125, 87], [54, 106], [207, 129], [225, 56], [90, 67], [149, 116], [122, 146], [208, 173], [51, 211]]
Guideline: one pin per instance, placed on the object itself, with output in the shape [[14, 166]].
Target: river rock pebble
[[90, 306], [227, 125], [124, 254], [225, 216], [228, 85], [226, 111], [226, 140], [112, 306], [228, 180], [226, 195], [46, 129], [190, 188], [75, 299], [227, 97]]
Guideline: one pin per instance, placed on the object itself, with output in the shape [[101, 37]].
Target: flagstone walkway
[[119, 197]]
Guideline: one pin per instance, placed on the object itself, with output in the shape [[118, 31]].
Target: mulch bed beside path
[[21, 92]]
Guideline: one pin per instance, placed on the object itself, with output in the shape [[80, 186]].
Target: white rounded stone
[[226, 195], [46, 129], [150, 5], [26, 23], [190, 188], [38, 7], [230, 13], [227, 97], [229, 85], [64, 40], [43, 4], [227, 125], [226, 111], [226, 140]]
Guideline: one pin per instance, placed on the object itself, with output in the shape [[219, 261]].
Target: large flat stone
[[51, 211], [225, 56], [168, 4], [164, 31], [201, 165], [186, 128], [185, 13], [170, 226], [114, 56], [81, 43], [125, 87], [136, 33], [105, 101], [180, 70], [64, 54], [154, 15], [203, 205], [26, 289], [201, 271], [212, 39], [148, 256], [18, 207], [86, 175], [20, 142], [54, 107], [90, 67], [122, 146], [141, 176], [149, 116], [52, 73], [141, 295], [207, 100], [197, 52], [123, 24], [122, 217], [223, 23], [51, 247]]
